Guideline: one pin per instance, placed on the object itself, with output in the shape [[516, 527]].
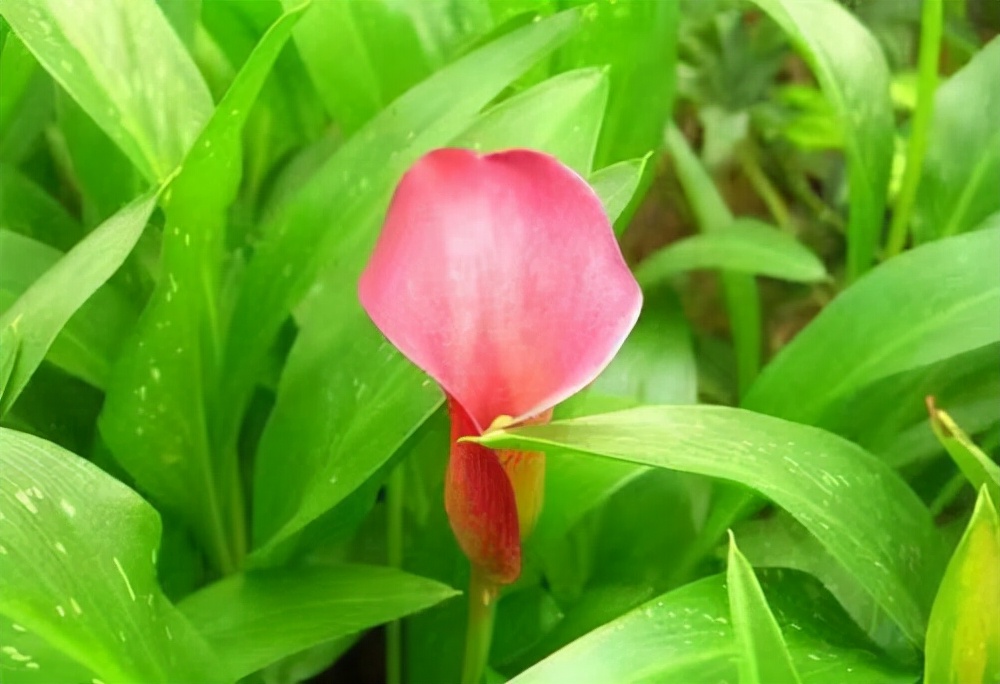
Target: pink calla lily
[[499, 276]]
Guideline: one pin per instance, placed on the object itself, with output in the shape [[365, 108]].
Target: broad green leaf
[[146, 94], [744, 246], [523, 617], [155, 418], [637, 42], [353, 186], [29, 659], [958, 189], [843, 495], [78, 569], [566, 112], [361, 56], [25, 100], [763, 655], [852, 71], [978, 468], [88, 342], [41, 312], [656, 363], [257, 618], [27, 209], [963, 638], [712, 214], [183, 17], [685, 636], [926, 305], [616, 186]]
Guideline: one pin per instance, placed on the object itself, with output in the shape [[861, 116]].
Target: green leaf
[[41, 312], [852, 71], [958, 189], [30, 659], [27, 209], [361, 56], [685, 636], [763, 655], [978, 468], [638, 43], [77, 568], [843, 495], [712, 214], [616, 186], [25, 100], [656, 363], [566, 112], [926, 305], [257, 618], [90, 339], [145, 93], [354, 185], [155, 418], [963, 638], [744, 246]]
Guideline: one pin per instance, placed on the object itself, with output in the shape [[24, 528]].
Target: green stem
[[927, 76], [747, 154], [479, 633], [394, 495]]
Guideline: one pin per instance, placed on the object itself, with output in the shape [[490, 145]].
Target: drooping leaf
[[853, 73], [156, 417], [258, 618], [146, 94], [842, 494], [685, 636], [41, 312], [958, 187], [926, 305], [77, 568], [744, 246], [963, 638], [763, 655]]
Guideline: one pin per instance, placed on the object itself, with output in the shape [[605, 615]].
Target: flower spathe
[[499, 276]]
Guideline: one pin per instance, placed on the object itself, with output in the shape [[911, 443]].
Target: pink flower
[[500, 277]]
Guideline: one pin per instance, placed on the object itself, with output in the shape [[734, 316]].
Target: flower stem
[[479, 633], [394, 494], [927, 76]]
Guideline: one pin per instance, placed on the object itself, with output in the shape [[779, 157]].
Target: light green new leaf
[[853, 73], [685, 636], [963, 638], [861, 511], [88, 342], [744, 246], [928, 304], [763, 655], [78, 568], [41, 312], [126, 67], [258, 618], [712, 214], [352, 189], [979, 469], [616, 186], [566, 113], [958, 189], [163, 388]]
